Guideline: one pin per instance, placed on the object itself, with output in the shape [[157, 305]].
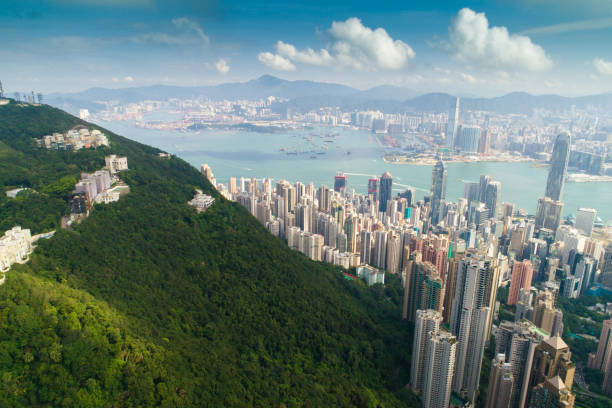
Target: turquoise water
[[251, 154]]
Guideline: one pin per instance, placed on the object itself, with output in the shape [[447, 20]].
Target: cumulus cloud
[[468, 78], [275, 61], [186, 32], [222, 66], [352, 45], [602, 67], [128, 78], [473, 41]]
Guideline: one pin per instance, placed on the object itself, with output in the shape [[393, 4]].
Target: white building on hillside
[[116, 164], [15, 246]]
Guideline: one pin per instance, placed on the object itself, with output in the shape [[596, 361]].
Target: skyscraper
[[386, 191], [522, 273], [438, 369], [340, 183], [599, 361], [469, 322], [426, 322], [438, 190], [585, 218], [549, 213], [552, 366], [373, 188], [492, 198], [558, 167], [451, 125], [500, 383]]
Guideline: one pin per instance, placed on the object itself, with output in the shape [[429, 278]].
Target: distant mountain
[[261, 87], [305, 95]]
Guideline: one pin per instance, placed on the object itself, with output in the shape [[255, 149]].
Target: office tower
[[585, 218], [438, 191], [366, 247], [440, 355], [426, 321], [549, 213], [500, 383], [380, 249], [522, 273], [606, 267], [484, 144], [323, 196], [373, 188], [449, 286], [471, 191], [385, 191], [350, 229], [470, 323], [492, 198], [452, 124], [600, 360], [507, 210], [517, 240], [394, 252], [469, 139], [482, 187], [340, 183], [558, 167], [552, 365]]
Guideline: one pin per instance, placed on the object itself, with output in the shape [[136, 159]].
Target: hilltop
[[147, 303]]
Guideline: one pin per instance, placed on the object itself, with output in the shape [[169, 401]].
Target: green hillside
[[147, 303]]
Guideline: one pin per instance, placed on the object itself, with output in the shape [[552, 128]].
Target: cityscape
[[306, 204]]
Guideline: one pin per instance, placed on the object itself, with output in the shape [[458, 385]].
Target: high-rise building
[[366, 247], [373, 188], [469, 139], [558, 167], [438, 190], [380, 249], [552, 362], [440, 355], [340, 183], [600, 360], [492, 198], [423, 288], [394, 252], [522, 273], [606, 267], [585, 218], [385, 190], [426, 321], [470, 323], [549, 213], [452, 124], [500, 383]]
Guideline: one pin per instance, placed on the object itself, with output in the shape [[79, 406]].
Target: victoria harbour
[[238, 153]]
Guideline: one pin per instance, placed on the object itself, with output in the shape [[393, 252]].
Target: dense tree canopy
[[147, 303]]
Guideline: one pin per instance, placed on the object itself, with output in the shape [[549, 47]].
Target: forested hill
[[147, 303]]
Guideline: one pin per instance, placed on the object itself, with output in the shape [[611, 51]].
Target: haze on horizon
[[484, 48]]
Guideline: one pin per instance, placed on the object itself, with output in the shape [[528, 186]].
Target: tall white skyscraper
[[452, 124], [585, 218], [426, 322], [470, 322], [438, 370]]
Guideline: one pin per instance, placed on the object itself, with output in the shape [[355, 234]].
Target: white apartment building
[[116, 164], [15, 246]]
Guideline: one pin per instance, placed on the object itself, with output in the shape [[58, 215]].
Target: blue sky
[[469, 47]]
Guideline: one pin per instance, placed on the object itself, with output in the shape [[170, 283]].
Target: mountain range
[[305, 95]]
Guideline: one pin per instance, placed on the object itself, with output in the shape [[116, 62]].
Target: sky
[[484, 48]]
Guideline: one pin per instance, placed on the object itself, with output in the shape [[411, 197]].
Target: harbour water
[[317, 154]]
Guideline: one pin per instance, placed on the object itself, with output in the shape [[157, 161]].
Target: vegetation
[[147, 303]]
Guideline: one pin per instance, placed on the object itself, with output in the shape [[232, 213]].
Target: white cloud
[[128, 78], [353, 45], [222, 66], [275, 61], [468, 78], [185, 23], [602, 67], [363, 48], [473, 41], [114, 79], [308, 56], [582, 25]]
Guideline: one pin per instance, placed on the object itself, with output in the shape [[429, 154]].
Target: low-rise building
[[116, 164], [201, 201], [371, 275], [15, 246]]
